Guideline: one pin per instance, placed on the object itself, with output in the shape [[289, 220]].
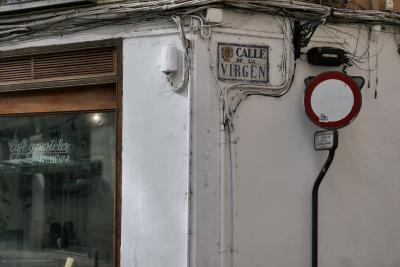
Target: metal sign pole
[[315, 207], [317, 183]]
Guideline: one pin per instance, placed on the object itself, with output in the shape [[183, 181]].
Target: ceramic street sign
[[238, 62]]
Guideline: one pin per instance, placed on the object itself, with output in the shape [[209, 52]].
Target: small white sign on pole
[[326, 140]]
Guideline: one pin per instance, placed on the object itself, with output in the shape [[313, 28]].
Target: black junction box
[[326, 56]]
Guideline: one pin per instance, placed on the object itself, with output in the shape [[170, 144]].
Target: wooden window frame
[[114, 79]]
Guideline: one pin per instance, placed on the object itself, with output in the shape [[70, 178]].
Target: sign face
[[332, 100], [326, 140], [248, 63], [55, 151]]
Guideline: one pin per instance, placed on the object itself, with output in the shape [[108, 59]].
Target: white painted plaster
[[276, 166], [154, 168]]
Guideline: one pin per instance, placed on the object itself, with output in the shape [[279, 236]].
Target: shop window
[[60, 149], [57, 174]]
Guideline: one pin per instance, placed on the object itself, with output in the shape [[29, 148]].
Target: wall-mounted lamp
[[169, 60], [169, 65]]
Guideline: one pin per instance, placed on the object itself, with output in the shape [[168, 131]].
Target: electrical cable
[[244, 90], [15, 26], [186, 59], [358, 38], [356, 60]]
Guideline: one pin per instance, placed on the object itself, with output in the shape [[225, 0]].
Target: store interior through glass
[[57, 174]]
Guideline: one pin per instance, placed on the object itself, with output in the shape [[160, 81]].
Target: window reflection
[[57, 189]]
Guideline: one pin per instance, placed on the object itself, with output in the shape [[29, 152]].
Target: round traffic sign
[[332, 100]]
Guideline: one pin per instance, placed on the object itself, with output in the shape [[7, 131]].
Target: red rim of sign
[[328, 76]]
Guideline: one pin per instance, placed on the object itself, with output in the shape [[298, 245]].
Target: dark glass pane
[[57, 177]]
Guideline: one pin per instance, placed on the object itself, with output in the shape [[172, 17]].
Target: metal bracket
[[314, 208], [303, 33]]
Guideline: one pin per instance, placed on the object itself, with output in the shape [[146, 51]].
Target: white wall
[[276, 164], [154, 160]]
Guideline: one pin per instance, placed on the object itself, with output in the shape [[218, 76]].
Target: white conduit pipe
[[222, 241], [225, 117], [189, 177]]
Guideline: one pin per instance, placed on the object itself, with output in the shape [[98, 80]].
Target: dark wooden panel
[[118, 173], [55, 84], [66, 65], [60, 48], [15, 70], [74, 63], [61, 100]]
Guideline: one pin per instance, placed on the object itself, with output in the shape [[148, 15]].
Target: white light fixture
[[98, 118], [389, 5], [169, 60]]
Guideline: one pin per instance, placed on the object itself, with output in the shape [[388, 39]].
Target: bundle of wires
[[244, 90], [16, 26]]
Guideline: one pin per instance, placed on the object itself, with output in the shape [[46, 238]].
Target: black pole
[[96, 259], [314, 215]]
